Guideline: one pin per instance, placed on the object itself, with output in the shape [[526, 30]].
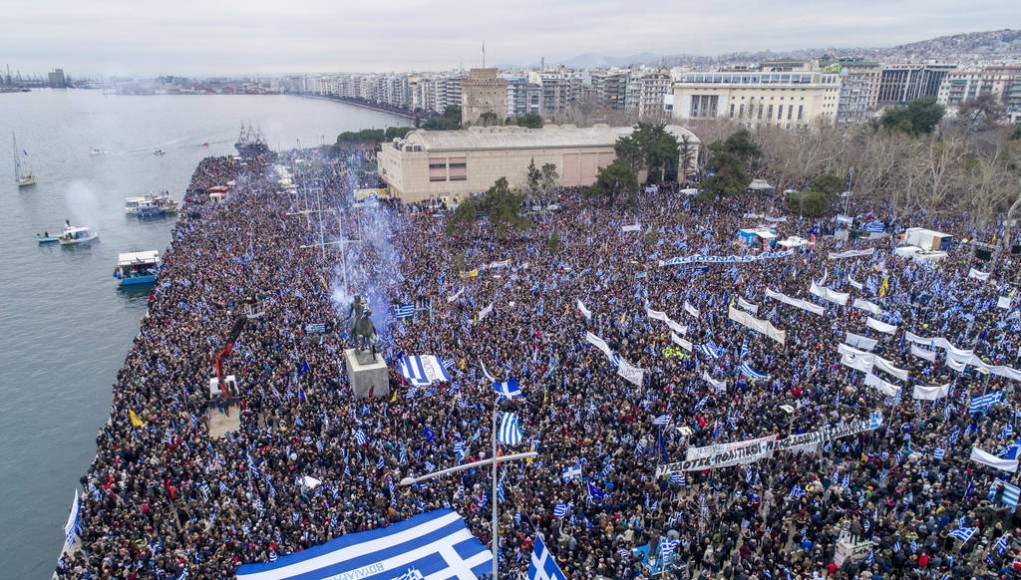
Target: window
[[801, 111], [437, 169], [740, 111], [779, 112], [769, 112], [458, 168], [732, 110]]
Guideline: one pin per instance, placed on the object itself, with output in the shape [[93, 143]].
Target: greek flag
[[679, 479], [667, 546], [74, 521], [507, 389], [435, 543], [404, 310], [744, 349], [750, 373], [797, 492], [710, 350], [1001, 544], [662, 420], [963, 534], [939, 454], [543, 565], [875, 227], [360, 437], [572, 472], [1010, 494], [423, 370], [509, 434], [560, 510], [979, 404]]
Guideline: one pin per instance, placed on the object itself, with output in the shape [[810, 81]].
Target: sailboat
[[22, 172]]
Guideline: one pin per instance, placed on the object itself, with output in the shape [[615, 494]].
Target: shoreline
[[345, 101]]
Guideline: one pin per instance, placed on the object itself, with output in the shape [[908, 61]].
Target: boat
[[148, 206], [77, 235], [96, 151], [137, 267], [46, 238], [159, 152], [250, 142], [22, 172]]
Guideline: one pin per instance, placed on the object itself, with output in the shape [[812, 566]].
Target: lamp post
[[494, 461]]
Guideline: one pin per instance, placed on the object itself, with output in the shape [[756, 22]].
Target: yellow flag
[[623, 317], [393, 399], [323, 280], [463, 364], [470, 273], [135, 421]]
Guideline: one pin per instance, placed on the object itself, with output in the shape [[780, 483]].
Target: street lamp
[[494, 461]]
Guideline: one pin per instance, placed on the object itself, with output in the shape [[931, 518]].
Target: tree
[[732, 161], [917, 117], [488, 118], [980, 113], [817, 199], [548, 181], [529, 120], [449, 121], [631, 152], [533, 177], [499, 204], [612, 180], [659, 150]]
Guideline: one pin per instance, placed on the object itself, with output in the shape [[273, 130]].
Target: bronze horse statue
[[363, 336]]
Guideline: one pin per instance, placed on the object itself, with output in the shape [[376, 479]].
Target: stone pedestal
[[368, 375]]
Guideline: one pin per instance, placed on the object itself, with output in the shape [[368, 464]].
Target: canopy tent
[[760, 185]]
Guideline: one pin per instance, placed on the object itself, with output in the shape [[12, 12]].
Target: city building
[[754, 98], [57, 79], [483, 93], [453, 164], [899, 84], [859, 89], [559, 89], [648, 89], [609, 88], [523, 97], [957, 87]]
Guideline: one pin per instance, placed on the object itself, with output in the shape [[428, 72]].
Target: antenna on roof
[[483, 54]]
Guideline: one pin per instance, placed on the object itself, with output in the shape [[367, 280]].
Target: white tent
[[760, 185]]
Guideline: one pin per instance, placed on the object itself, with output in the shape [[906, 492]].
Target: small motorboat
[[151, 211], [46, 238], [77, 235], [159, 152], [137, 267]]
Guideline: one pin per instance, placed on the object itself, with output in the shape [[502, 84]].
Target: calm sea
[[64, 326]]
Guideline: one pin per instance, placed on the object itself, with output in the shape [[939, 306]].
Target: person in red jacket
[[923, 561]]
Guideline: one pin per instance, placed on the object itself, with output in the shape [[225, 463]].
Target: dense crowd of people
[[164, 498]]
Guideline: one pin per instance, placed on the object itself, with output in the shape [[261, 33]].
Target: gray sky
[[205, 37]]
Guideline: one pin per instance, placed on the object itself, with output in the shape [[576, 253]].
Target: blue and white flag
[[710, 350], [939, 453], [984, 402], [751, 373], [432, 543], [797, 492], [74, 522], [404, 310], [423, 370], [662, 420], [507, 389], [963, 534], [876, 227], [572, 472], [595, 493], [543, 565], [560, 510], [509, 433]]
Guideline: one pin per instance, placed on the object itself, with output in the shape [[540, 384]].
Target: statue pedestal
[[369, 378]]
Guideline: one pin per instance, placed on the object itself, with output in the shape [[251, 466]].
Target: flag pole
[[494, 500]]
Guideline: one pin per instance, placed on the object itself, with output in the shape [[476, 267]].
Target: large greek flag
[[509, 433], [423, 370], [435, 544], [543, 566], [982, 403]]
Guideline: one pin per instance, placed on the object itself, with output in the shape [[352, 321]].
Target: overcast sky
[[199, 37]]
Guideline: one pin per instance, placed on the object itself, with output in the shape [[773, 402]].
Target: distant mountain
[[993, 45]]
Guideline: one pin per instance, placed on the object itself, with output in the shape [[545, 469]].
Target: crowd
[[163, 498]]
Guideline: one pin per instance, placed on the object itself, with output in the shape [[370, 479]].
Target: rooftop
[[552, 136]]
